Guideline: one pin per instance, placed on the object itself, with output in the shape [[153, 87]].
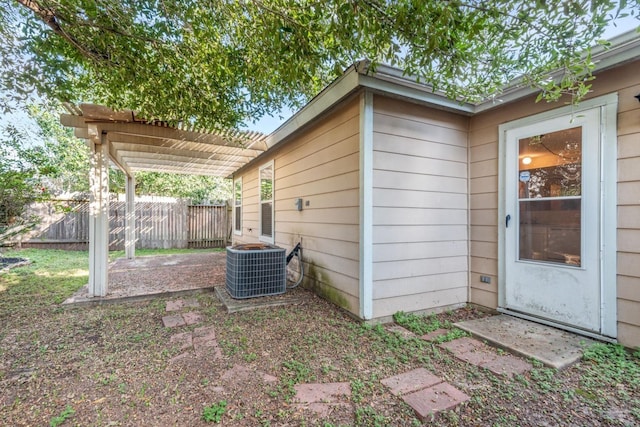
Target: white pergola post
[[98, 213], [130, 219]]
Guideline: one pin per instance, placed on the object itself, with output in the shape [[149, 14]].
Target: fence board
[[162, 223], [207, 226]]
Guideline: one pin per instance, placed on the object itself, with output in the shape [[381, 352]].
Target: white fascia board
[[404, 88], [623, 48]]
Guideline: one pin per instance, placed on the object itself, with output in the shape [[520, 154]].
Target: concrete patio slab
[[158, 276], [429, 401], [290, 297], [553, 347]]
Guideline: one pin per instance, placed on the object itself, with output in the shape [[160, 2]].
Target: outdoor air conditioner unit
[[255, 270]]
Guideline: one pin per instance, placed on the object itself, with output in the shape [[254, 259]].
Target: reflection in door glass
[[550, 190]]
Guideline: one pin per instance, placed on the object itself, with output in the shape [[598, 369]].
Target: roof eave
[[391, 80]]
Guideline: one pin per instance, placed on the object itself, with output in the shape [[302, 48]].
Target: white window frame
[[263, 238], [237, 204]]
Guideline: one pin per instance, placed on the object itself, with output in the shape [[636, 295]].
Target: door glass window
[[550, 197]]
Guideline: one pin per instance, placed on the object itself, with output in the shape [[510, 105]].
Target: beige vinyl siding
[[420, 250], [629, 212], [321, 166], [483, 193]]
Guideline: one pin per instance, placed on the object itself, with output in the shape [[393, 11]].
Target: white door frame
[[608, 106]]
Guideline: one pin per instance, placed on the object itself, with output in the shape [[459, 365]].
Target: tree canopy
[[47, 160], [217, 63]]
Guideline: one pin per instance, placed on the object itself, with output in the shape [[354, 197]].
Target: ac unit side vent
[[256, 272]]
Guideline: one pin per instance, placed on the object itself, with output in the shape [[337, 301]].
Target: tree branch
[[49, 17]]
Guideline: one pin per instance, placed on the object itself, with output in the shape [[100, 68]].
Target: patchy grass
[[52, 276], [113, 255], [113, 365]]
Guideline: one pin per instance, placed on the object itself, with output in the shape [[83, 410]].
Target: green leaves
[[220, 63]]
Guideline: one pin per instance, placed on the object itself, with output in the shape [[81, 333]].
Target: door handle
[[507, 219]]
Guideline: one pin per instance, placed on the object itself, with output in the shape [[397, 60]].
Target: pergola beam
[[191, 146], [140, 129]]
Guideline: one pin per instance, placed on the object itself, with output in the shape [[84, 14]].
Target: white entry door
[[552, 236]]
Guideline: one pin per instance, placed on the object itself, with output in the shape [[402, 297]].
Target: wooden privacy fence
[[160, 223]]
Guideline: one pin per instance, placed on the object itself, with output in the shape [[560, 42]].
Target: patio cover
[[134, 144]]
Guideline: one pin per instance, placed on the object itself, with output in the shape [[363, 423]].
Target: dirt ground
[[117, 365]]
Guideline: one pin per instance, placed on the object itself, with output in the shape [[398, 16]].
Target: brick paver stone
[[204, 340], [411, 381], [462, 345], [400, 330], [479, 354], [173, 321], [179, 357], [179, 304], [174, 305], [434, 399], [240, 373], [322, 393], [508, 365], [434, 334], [192, 317], [478, 357], [184, 340], [324, 410], [204, 333]]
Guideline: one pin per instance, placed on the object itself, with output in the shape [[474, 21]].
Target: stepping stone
[[174, 305], [323, 399], [179, 304], [462, 345], [204, 339], [400, 330], [241, 374], [173, 321], [204, 334], [184, 340], [325, 410], [440, 397], [192, 317], [322, 393], [477, 353], [508, 365], [411, 381], [434, 334], [179, 357]]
